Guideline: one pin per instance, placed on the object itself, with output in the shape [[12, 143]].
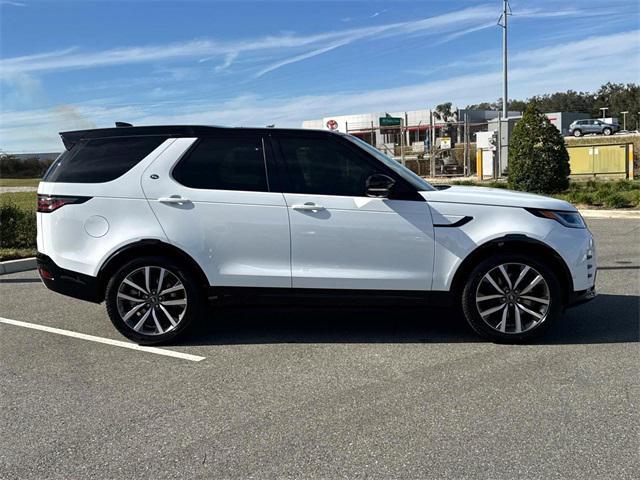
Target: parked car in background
[[155, 220], [592, 125]]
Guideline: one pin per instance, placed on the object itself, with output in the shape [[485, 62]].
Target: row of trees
[[13, 167], [617, 97]]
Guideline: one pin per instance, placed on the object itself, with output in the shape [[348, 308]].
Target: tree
[[538, 158], [443, 112]]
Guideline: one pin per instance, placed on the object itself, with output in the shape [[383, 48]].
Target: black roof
[[72, 137]]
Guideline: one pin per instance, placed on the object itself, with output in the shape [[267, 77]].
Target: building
[[562, 120], [389, 130]]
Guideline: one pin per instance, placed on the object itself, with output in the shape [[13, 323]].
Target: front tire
[[577, 132], [152, 300], [511, 298]]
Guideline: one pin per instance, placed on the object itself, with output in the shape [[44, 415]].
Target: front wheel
[[577, 132], [152, 300], [511, 298]]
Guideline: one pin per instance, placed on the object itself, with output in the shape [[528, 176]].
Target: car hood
[[495, 196]]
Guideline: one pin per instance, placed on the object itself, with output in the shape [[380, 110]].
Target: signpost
[[390, 121]]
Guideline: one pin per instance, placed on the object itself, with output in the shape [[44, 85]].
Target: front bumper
[[583, 296], [66, 282]]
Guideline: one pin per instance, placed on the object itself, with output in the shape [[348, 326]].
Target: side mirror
[[379, 185]]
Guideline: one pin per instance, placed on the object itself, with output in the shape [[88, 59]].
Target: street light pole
[[603, 110], [624, 119], [504, 25]]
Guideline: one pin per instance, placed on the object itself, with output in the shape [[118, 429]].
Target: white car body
[[276, 239]]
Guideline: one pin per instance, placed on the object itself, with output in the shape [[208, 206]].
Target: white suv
[[155, 220]]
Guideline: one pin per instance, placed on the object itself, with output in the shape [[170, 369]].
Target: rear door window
[[101, 160], [230, 163]]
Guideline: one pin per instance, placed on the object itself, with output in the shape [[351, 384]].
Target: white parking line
[[106, 341]]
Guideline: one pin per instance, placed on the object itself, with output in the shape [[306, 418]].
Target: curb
[[15, 266], [610, 213]]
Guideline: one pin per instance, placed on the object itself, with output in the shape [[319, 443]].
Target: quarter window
[[224, 164], [101, 160]]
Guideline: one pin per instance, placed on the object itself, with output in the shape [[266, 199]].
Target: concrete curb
[[610, 213], [15, 266]]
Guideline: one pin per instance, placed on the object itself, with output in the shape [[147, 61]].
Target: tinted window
[[101, 160], [324, 166], [224, 164]]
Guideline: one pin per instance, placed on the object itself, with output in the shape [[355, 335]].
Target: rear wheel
[[151, 300], [511, 298], [607, 131]]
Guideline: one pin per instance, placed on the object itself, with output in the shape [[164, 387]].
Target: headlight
[[568, 219]]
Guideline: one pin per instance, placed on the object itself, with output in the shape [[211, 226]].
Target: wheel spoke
[[518, 320], [143, 319], [492, 310], [162, 270], [504, 273], [530, 312], [155, 320], [521, 276], [175, 288], [131, 299], [131, 284], [535, 299], [492, 282], [488, 297], [131, 312], [502, 326], [146, 278], [180, 301], [168, 315], [533, 283]]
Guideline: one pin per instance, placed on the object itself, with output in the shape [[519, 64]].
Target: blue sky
[[82, 64]]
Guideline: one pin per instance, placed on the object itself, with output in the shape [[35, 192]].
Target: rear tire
[[505, 301], [607, 131], [152, 300]]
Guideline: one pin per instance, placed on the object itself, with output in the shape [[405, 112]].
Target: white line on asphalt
[[106, 341]]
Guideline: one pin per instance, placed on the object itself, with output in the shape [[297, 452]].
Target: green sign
[[390, 121]]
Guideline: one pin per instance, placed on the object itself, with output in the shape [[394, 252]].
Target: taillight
[[49, 203]]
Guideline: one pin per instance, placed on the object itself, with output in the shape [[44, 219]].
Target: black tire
[[577, 132], [607, 131], [190, 292], [471, 289]]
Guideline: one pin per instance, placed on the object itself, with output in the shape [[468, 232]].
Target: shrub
[[615, 200], [17, 227], [538, 158]]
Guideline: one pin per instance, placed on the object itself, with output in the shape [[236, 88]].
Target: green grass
[[23, 200], [16, 253], [19, 182], [591, 193]]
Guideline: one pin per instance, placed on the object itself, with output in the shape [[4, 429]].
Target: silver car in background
[[592, 125]]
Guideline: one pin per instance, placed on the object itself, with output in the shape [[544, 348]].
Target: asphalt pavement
[[325, 392]]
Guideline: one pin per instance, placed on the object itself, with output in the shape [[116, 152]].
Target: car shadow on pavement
[[606, 319]]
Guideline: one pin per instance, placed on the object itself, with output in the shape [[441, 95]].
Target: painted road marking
[[106, 341]]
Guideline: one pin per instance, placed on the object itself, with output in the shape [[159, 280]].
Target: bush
[[17, 227], [538, 158], [615, 200]]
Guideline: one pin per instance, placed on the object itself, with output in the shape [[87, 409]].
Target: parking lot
[[325, 392]]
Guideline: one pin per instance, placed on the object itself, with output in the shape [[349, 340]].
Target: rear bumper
[[66, 282], [583, 296]]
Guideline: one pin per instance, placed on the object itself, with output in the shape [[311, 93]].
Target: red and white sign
[[332, 124]]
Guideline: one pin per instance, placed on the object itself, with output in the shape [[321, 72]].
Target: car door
[[341, 238], [212, 198], [592, 126]]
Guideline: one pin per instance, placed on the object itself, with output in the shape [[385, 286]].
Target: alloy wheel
[[513, 298], [152, 300]]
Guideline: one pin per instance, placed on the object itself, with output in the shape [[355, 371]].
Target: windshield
[[415, 180]]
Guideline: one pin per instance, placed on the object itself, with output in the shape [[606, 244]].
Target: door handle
[[308, 207], [174, 199]]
